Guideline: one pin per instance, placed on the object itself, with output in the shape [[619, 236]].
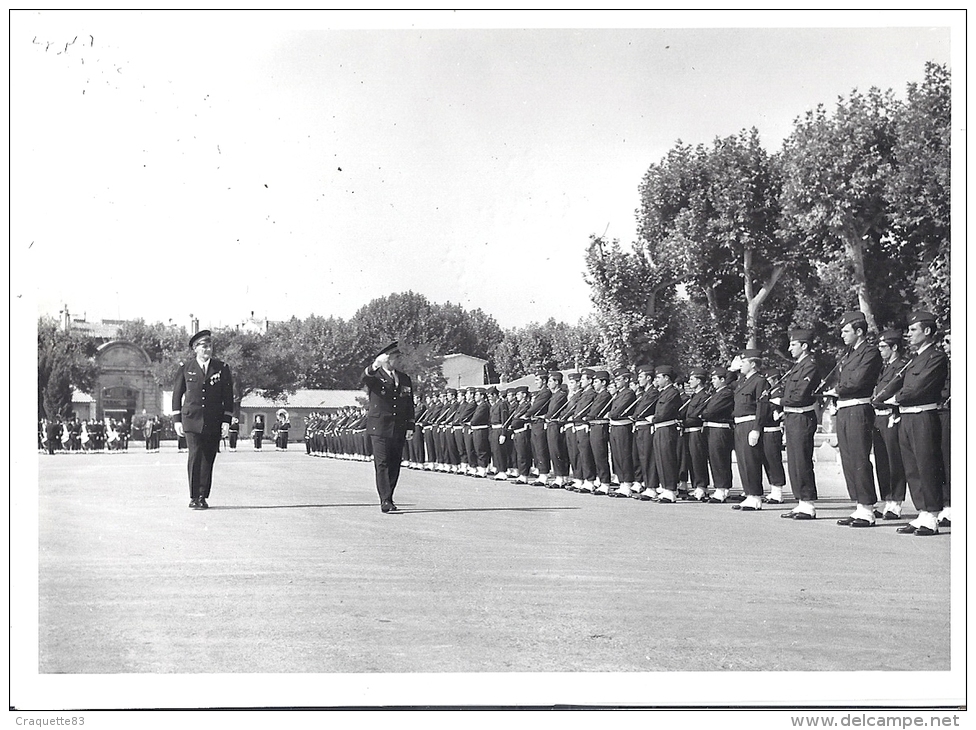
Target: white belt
[[642, 423], [582, 427], [772, 429], [457, 427], [520, 430], [479, 428], [500, 425], [599, 422], [620, 423], [665, 424], [713, 424], [882, 411], [919, 409], [743, 419], [853, 402], [798, 409], [693, 429]]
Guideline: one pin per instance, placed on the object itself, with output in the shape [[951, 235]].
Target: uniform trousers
[[586, 463], [540, 447], [202, 450], [944, 421], [387, 453], [460, 451], [482, 447], [499, 454], [749, 460], [558, 450], [684, 457], [799, 429], [855, 426], [666, 455], [697, 458], [720, 445], [887, 460], [920, 437], [523, 451], [622, 452], [572, 451], [644, 440], [471, 458], [772, 444], [600, 448], [430, 445]]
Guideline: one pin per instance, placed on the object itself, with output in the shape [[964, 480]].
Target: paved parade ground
[[294, 569]]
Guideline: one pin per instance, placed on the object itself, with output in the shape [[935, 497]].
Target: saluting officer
[[203, 405], [750, 413], [800, 424], [390, 419], [921, 429]]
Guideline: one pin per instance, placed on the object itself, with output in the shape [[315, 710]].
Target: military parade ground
[[294, 569]]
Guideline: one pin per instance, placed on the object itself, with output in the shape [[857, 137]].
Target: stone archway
[[125, 385]]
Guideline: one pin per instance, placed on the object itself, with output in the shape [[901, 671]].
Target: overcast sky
[[171, 163]]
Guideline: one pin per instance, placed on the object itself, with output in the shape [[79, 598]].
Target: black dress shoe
[[925, 531], [803, 516], [889, 515], [858, 522], [878, 514], [714, 500], [746, 508], [906, 530], [385, 507], [202, 504], [770, 500], [788, 515], [845, 521], [945, 522], [194, 504], [393, 507]]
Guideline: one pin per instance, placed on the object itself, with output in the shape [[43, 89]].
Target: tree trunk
[[855, 249], [754, 300], [723, 347]]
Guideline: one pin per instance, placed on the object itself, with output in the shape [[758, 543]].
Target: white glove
[[753, 438], [178, 427]]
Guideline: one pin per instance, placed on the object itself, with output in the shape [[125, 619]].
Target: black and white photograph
[[488, 360]]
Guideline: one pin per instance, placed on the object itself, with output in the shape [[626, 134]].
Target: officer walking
[[203, 404]]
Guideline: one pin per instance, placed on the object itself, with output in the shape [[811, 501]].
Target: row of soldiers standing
[[644, 434]]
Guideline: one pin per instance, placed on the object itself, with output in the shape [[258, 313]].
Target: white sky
[[222, 163]]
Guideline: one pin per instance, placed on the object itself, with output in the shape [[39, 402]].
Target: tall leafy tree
[[165, 344], [918, 189], [836, 171], [64, 361]]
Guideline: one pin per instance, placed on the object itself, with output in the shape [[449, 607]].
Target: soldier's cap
[[664, 370], [492, 390], [199, 336], [645, 368], [852, 317], [542, 373], [751, 355], [522, 389], [556, 375], [922, 317], [801, 335], [622, 373], [573, 375], [699, 373], [451, 391], [891, 335], [588, 372], [601, 375], [477, 390], [392, 347], [720, 371]]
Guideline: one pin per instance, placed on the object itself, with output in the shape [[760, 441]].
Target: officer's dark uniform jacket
[[622, 406], [857, 372], [889, 382], [668, 404], [748, 399], [696, 406], [800, 383], [391, 409], [202, 401], [924, 379], [556, 408]]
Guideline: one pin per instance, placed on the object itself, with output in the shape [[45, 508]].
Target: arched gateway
[[125, 384]]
